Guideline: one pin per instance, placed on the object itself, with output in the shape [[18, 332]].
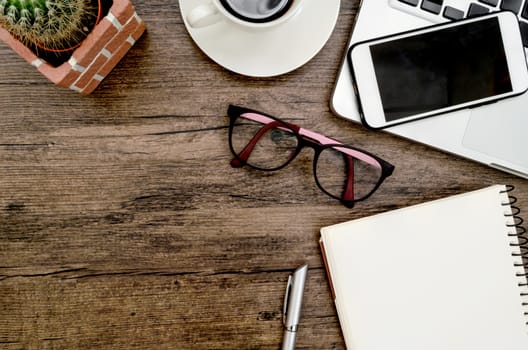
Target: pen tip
[[302, 267]]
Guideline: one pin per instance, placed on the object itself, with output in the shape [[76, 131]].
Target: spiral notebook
[[446, 274]]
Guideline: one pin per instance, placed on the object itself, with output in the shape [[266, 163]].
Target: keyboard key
[[410, 2], [524, 13], [476, 9], [453, 13], [524, 32], [433, 6], [511, 5], [489, 2]]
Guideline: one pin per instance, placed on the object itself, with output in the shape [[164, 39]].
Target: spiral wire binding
[[516, 229]]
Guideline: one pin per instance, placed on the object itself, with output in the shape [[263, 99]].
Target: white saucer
[[266, 53]]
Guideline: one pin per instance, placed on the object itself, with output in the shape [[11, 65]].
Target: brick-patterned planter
[[97, 55]]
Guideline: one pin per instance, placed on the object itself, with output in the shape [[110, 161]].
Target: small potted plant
[[74, 43]]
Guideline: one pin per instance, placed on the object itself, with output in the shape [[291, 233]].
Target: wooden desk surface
[[123, 226]]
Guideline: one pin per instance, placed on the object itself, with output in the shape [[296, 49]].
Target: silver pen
[[292, 306]]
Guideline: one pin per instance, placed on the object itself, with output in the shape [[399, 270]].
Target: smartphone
[[438, 69]]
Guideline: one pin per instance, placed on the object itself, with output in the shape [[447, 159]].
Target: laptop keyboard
[[448, 10]]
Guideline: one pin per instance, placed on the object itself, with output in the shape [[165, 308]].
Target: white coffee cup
[[214, 11]]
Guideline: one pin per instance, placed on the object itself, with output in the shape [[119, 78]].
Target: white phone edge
[[366, 86]]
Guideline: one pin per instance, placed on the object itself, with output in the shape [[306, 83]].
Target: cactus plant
[[54, 25], [81, 57]]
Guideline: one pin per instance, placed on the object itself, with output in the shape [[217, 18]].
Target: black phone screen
[[439, 69]]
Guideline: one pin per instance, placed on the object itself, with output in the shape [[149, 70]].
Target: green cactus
[[54, 25]]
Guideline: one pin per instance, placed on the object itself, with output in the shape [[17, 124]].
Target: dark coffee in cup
[[257, 11]]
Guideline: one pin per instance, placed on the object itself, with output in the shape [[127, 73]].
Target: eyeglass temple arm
[[323, 140], [348, 192], [243, 156]]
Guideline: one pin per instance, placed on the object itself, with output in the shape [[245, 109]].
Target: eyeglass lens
[[263, 146], [344, 176]]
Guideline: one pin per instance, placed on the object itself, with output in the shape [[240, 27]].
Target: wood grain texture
[[122, 225]]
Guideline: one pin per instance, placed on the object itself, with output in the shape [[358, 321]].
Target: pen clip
[[286, 298]]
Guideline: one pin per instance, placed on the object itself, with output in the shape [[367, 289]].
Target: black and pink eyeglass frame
[[306, 138]]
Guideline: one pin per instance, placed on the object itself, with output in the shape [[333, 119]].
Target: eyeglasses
[[267, 143]]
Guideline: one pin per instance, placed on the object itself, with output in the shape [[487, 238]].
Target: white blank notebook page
[[437, 276]]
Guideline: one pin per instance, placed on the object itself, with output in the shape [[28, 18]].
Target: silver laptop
[[496, 134]]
